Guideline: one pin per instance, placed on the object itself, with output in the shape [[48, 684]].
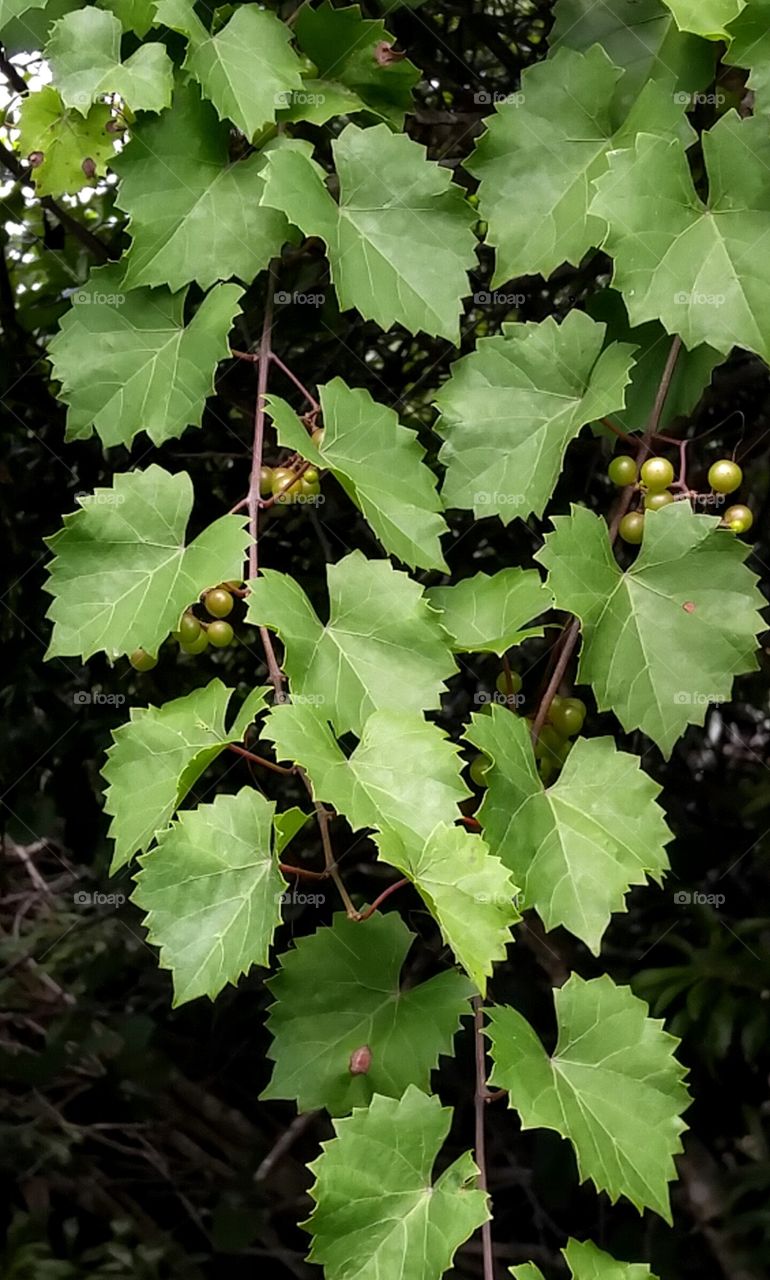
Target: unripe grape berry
[[548, 743], [658, 499], [725, 476], [546, 768], [657, 473], [479, 765], [197, 645], [631, 528], [220, 634], [218, 602], [739, 518], [622, 470], [265, 482], [502, 686], [141, 660], [189, 628], [310, 483], [283, 477], [317, 436], [568, 718]]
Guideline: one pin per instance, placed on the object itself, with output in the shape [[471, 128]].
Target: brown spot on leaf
[[360, 1061], [88, 167], [35, 159], [688, 606], [385, 54]]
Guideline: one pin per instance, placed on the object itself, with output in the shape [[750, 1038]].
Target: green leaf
[[127, 362], [692, 373], [698, 268], [212, 892], [287, 825], [344, 47], [512, 406], [612, 1087], [193, 216], [706, 18], [571, 106], [339, 990], [664, 640], [577, 848], [318, 101], [750, 47], [65, 139], [121, 576], [14, 9], [400, 241], [247, 69], [403, 777], [587, 1262], [640, 36], [380, 465], [84, 53], [378, 1214], [135, 15], [467, 890], [488, 613], [158, 756], [381, 634]]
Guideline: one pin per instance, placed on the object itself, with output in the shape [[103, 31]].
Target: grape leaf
[[212, 893], [381, 634], [343, 46], [121, 575], [11, 10], [692, 373], [750, 47], [567, 109], [380, 465], [488, 613], [640, 36], [319, 101], [128, 363], [193, 216], [577, 847], [664, 640], [135, 15], [287, 825], [587, 1262], [65, 139], [377, 1213], [698, 268], [159, 755], [246, 70], [84, 53], [403, 777], [467, 890], [400, 240], [706, 18], [339, 990], [612, 1087], [512, 406]]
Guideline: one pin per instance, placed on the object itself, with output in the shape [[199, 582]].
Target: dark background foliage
[[133, 1142]]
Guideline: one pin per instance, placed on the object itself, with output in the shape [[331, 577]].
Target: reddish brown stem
[[269, 502], [263, 764], [291, 375], [300, 871], [399, 884]]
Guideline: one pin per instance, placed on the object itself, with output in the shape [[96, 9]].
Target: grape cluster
[[655, 478], [194, 634], [555, 740], [288, 485]]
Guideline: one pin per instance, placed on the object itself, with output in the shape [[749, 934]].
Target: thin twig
[[399, 884], [260, 760], [480, 1142], [323, 817], [293, 378]]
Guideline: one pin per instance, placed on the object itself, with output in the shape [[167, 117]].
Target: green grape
[[725, 476], [310, 482], [141, 660], [739, 518], [548, 743], [197, 645], [569, 717], [657, 473], [283, 477], [220, 634], [631, 528], [546, 768], [479, 765], [265, 482], [623, 470], [218, 602], [317, 436], [189, 628], [563, 752], [657, 499], [501, 684]]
